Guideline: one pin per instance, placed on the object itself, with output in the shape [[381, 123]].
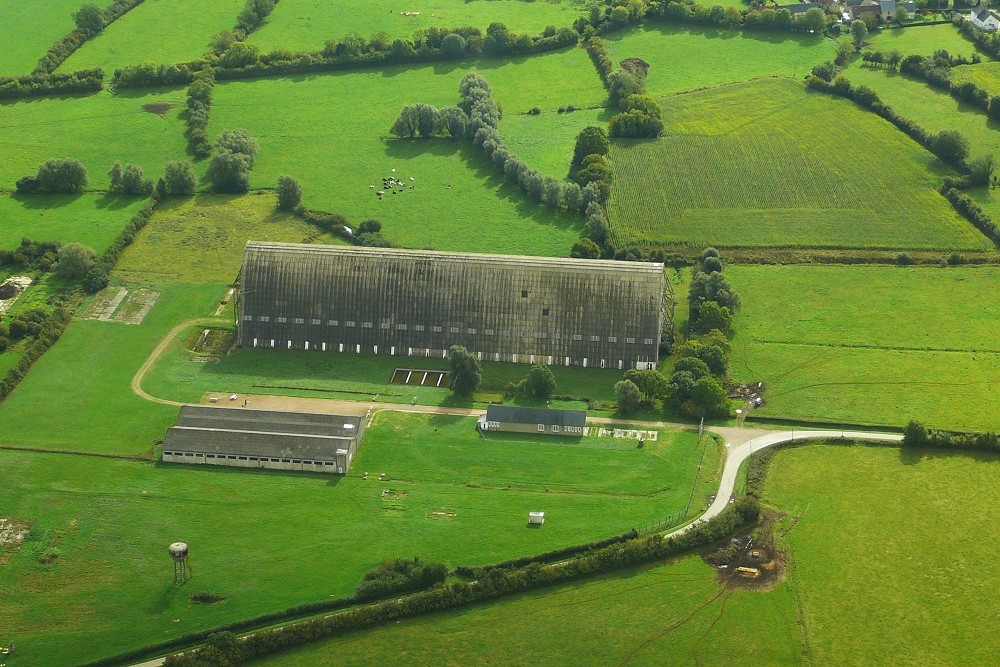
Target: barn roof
[[517, 415], [261, 433], [299, 295]]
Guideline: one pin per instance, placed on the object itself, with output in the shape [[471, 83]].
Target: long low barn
[[515, 419], [603, 314], [248, 438]]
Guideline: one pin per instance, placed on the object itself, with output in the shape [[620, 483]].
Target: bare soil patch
[[12, 534], [751, 561], [158, 108]]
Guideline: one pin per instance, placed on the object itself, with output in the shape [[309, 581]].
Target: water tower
[[178, 553]]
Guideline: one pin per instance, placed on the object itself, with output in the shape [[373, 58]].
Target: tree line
[[90, 20], [696, 388]]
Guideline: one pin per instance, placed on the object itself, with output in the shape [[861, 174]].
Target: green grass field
[[77, 396], [933, 109], [930, 570], [201, 240], [112, 519], [855, 592], [305, 25], [92, 220], [95, 129], [182, 31], [672, 613], [986, 75], [922, 40], [690, 58], [736, 167], [338, 154], [181, 376], [30, 28], [546, 141], [878, 345]]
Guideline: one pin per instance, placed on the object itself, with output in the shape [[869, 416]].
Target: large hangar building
[[594, 313]]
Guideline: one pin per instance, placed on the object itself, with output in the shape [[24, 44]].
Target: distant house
[[858, 9], [500, 418], [985, 18], [801, 7], [887, 9]]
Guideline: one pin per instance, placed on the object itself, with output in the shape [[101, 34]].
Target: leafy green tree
[[712, 287], [981, 169], [629, 396], [622, 83], [950, 146], [289, 193], [585, 249], [115, 176], [592, 140], [179, 179], [407, 123], [240, 54], [915, 434], [708, 399], [89, 18], [453, 45], [900, 16], [75, 259], [238, 141], [593, 168], [713, 316], [540, 382], [466, 373], [860, 32], [370, 226], [427, 120], [692, 365], [712, 355], [679, 388], [651, 383], [814, 20], [62, 176], [230, 172], [129, 181], [455, 121]]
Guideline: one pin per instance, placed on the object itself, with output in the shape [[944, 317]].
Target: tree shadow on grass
[[38, 202], [912, 456], [114, 202]]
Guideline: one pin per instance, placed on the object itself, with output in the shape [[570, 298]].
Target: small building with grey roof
[[514, 419], [271, 439]]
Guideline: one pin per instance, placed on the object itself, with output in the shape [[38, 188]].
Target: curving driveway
[[737, 455]]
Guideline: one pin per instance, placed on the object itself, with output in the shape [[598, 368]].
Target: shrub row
[[494, 584], [65, 47], [484, 118], [916, 435], [768, 20], [400, 576], [595, 47], [97, 276], [253, 15], [245, 61], [49, 332], [199, 106], [979, 218], [867, 98], [547, 557], [85, 80]]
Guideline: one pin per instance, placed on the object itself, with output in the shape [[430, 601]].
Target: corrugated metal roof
[[262, 433], [519, 415]]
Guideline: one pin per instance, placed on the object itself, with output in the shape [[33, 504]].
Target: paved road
[[740, 453]]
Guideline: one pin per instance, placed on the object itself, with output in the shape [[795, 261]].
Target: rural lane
[[740, 453]]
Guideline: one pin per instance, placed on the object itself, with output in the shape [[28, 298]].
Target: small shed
[[536, 517], [533, 420]]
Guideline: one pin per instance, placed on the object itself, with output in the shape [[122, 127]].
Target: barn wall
[[420, 303]]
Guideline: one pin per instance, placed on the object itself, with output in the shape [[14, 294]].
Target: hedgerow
[[494, 584], [65, 47], [81, 81]]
